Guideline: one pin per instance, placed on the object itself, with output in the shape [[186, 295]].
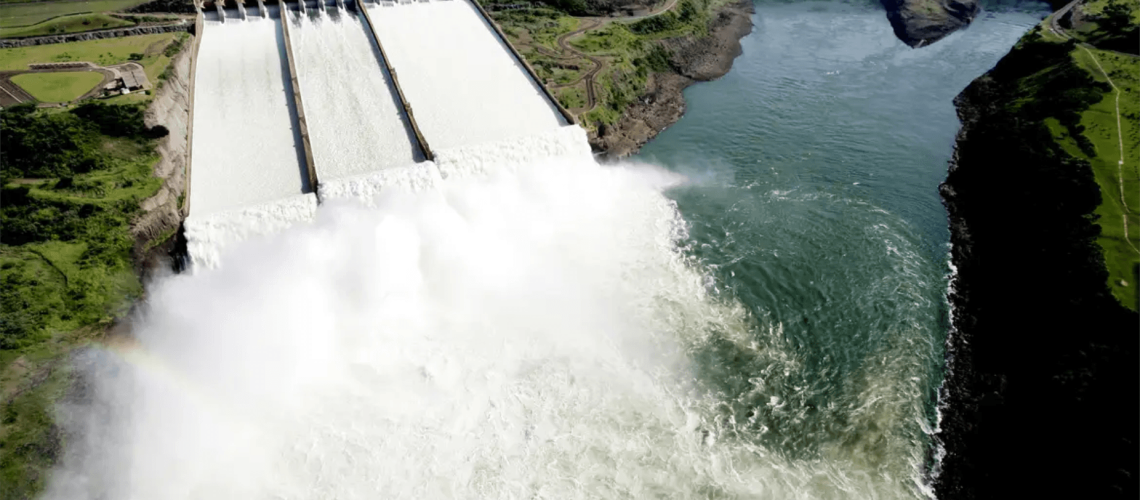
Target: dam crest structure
[[295, 103]]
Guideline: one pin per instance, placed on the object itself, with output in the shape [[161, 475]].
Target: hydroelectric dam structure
[[297, 103]]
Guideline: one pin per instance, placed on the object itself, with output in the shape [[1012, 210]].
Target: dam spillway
[[466, 86], [318, 100], [248, 172], [356, 123], [246, 143]]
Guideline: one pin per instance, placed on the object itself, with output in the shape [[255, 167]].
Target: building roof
[[134, 77]]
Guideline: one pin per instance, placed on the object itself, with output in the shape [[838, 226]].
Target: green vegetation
[[102, 52], [66, 24], [1070, 95], [59, 86], [1106, 24], [571, 98], [688, 17], [29, 13], [156, 53], [630, 51], [1119, 184], [72, 183]]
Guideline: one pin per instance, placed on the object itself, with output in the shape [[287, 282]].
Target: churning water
[[762, 319]]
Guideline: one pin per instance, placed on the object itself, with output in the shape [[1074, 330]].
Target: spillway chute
[[246, 143], [353, 97]]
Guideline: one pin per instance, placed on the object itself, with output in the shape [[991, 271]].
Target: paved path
[[9, 90], [1120, 139], [1056, 27], [588, 24], [11, 94]]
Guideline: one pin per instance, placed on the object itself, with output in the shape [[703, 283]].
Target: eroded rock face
[[923, 22], [171, 109], [694, 59]]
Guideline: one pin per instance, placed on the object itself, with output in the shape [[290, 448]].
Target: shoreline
[[694, 60], [1071, 343]]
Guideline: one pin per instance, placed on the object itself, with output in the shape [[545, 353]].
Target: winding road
[[587, 24]]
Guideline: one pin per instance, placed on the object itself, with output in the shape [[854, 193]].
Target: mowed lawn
[[58, 87], [27, 14], [67, 24], [101, 52]]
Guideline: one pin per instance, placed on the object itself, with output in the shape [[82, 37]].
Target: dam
[[295, 103]]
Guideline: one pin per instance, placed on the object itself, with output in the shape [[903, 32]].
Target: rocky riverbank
[[1039, 397], [162, 214], [694, 59]]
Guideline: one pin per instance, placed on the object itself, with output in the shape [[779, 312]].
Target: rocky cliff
[[923, 22], [171, 109], [1040, 394], [693, 59]]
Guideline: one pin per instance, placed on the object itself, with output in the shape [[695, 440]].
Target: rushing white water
[[207, 236], [356, 125], [245, 146], [463, 84], [521, 332]]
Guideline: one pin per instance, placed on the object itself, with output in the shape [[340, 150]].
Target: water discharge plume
[[527, 332]]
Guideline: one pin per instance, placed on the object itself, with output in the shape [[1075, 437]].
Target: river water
[[755, 311], [815, 165]]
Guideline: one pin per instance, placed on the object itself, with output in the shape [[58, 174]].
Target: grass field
[[27, 14], [571, 98], [58, 87], [1122, 257], [101, 52], [66, 24]]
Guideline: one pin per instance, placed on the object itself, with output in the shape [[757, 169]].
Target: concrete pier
[[396, 83], [198, 26], [310, 164]]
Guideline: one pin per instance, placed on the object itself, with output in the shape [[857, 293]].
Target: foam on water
[[245, 145], [464, 85], [356, 125], [565, 143], [506, 333], [365, 187], [207, 236]]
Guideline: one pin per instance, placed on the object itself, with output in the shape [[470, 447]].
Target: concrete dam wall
[[298, 102]]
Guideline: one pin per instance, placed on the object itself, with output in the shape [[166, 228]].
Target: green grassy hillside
[[30, 13], [72, 183], [1106, 133], [66, 24]]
